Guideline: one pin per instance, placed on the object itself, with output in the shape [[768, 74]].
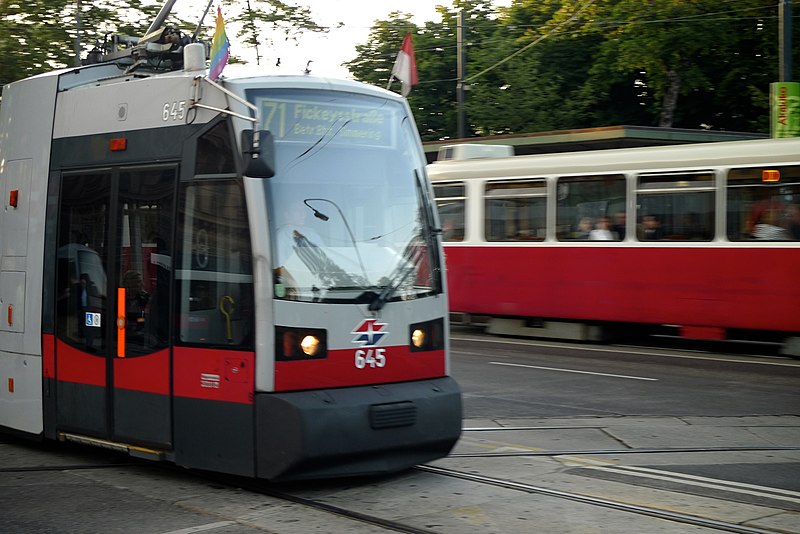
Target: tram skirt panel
[[214, 435]]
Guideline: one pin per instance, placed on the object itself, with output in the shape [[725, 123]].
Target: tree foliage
[[541, 65], [256, 16], [40, 35]]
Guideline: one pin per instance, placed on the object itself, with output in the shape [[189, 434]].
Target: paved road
[[505, 377], [713, 437]]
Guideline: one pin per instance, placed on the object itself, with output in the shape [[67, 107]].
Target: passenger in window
[[794, 221], [651, 228], [619, 225], [602, 230], [764, 213], [584, 229], [770, 229]]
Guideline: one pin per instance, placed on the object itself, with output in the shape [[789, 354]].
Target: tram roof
[[242, 75], [606, 137], [698, 156]]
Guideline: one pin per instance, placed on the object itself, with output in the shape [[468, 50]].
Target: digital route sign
[[308, 121]]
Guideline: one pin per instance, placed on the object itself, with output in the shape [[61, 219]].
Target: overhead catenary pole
[[461, 73], [160, 18], [78, 33], [785, 40]]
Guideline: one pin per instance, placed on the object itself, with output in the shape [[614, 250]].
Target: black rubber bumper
[[356, 431]]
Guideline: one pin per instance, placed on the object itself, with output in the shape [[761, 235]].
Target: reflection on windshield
[[347, 217]]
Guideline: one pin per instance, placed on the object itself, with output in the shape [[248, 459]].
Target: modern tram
[[700, 241], [243, 275]]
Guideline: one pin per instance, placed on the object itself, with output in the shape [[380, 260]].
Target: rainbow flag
[[219, 48]]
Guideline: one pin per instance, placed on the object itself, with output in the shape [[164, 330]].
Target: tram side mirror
[[258, 156]]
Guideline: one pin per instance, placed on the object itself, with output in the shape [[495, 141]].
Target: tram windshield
[[347, 208]]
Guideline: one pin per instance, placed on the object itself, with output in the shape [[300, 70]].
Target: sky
[[326, 51]]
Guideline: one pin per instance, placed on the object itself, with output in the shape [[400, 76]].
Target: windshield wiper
[[389, 289]]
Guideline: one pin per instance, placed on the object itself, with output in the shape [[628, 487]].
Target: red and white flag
[[405, 66]]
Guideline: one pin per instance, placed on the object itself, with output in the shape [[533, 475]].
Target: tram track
[[274, 491], [361, 517], [677, 517], [618, 505], [292, 494], [397, 526], [73, 467], [592, 452]]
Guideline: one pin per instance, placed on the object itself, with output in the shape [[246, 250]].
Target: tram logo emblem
[[369, 332]]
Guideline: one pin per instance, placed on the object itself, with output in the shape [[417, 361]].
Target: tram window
[[450, 201], [675, 206], [215, 151], [144, 235], [590, 203], [214, 266], [764, 210], [82, 250], [516, 211]]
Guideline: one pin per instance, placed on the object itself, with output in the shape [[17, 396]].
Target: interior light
[[310, 345], [418, 337]]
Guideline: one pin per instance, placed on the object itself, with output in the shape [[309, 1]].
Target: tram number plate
[[370, 358]]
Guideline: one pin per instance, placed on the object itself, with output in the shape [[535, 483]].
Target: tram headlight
[[292, 344], [310, 345], [418, 338], [426, 336]]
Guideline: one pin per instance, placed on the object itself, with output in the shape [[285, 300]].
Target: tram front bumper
[[356, 431]]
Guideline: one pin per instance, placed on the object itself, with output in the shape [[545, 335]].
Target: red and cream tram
[[698, 240], [242, 276]]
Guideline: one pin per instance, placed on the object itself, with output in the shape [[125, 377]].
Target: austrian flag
[[405, 66]]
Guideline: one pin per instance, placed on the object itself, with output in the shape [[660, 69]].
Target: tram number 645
[[174, 110], [370, 357]]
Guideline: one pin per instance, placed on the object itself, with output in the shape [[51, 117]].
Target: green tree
[[556, 64], [40, 35], [531, 70], [677, 45]]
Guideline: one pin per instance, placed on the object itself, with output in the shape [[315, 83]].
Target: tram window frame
[[674, 195], [590, 205], [517, 202], [451, 199], [752, 199]]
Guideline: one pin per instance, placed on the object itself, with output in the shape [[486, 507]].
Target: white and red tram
[[170, 287], [699, 240]]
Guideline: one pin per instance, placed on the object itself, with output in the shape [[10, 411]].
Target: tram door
[[113, 359]]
